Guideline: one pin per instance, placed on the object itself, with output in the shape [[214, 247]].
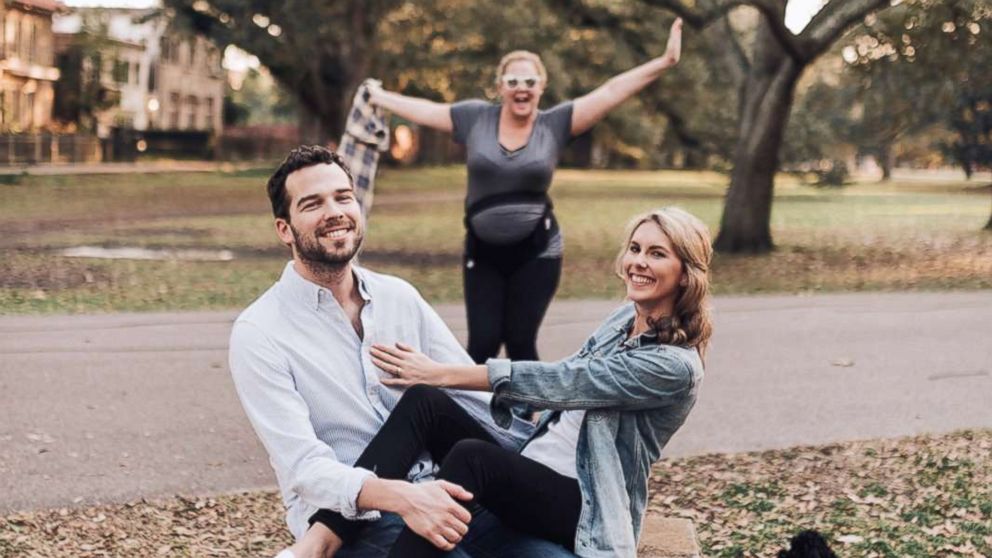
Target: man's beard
[[313, 254]]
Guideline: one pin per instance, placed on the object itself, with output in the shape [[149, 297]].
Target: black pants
[[524, 494], [506, 300]]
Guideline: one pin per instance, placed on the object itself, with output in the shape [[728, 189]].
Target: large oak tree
[[769, 71], [765, 64]]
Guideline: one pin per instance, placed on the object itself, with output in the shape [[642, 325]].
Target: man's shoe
[[285, 554]]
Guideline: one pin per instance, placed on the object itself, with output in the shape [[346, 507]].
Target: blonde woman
[[513, 247], [581, 480]]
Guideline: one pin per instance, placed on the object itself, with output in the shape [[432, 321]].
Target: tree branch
[[734, 60], [772, 10], [695, 17], [680, 128], [774, 13], [832, 21]]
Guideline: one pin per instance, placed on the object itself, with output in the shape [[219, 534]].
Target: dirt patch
[[977, 189], [101, 222], [50, 274], [183, 232]]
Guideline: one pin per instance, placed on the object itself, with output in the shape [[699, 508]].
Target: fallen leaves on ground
[[913, 497], [928, 496]]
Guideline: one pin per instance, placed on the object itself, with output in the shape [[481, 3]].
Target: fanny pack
[[527, 248]]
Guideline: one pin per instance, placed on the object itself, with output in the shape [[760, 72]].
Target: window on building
[[193, 109], [168, 48], [3, 35], [93, 71], [14, 39], [174, 106], [121, 71], [33, 44], [135, 72], [15, 108], [208, 113], [13, 32], [24, 48], [151, 79], [29, 109]]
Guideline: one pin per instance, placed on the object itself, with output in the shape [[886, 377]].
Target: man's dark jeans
[[486, 538]]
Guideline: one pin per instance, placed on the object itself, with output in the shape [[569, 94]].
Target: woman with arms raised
[[513, 246], [581, 480]]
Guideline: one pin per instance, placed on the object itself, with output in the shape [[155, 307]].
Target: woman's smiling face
[[652, 271]]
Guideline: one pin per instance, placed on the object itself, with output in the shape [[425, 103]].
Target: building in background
[[27, 64], [160, 79], [189, 84]]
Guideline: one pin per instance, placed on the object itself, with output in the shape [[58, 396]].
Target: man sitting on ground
[[299, 356]]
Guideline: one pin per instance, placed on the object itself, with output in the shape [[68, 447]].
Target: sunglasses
[[514, 81]]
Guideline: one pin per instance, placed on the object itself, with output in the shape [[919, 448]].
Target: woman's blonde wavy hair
[[691, 324]]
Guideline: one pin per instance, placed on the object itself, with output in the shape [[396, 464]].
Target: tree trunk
[[746, 223], [324, 106], [988, 226], [885, 161], [332, 79]]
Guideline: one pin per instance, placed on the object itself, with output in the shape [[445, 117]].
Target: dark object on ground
[[834, 175], [807, 544]]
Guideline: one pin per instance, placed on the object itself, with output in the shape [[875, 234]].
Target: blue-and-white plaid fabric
[[365, 135]]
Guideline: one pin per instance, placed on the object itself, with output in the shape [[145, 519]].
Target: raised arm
[[421, 111], [594, 106]]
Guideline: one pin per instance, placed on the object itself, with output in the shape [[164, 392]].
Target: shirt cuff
[[499, 371], [355, 483]]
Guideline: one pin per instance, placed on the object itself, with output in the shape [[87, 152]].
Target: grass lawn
[[904, 235], [918, 497]]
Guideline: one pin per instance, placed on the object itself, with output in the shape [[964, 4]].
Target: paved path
[[115, 407]]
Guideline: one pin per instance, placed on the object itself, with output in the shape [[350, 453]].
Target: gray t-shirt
[[492, 169]]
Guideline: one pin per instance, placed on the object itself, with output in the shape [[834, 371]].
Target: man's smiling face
[[325, 223]]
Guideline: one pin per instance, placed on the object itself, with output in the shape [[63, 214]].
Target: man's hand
[[430, 509]]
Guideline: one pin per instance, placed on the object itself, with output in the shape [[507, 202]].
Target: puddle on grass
[[134, 253]]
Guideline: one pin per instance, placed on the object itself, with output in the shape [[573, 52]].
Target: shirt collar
[[310, 293]]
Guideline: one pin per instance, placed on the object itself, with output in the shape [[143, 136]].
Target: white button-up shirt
[[308, 385]]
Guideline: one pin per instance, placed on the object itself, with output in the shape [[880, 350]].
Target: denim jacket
[[637, 393]]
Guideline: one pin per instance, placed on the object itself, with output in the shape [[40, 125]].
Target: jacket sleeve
[[281, 419], [645, 378]]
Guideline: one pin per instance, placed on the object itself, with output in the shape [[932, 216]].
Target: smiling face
[[325, 220], [521, 99], [652, 271]]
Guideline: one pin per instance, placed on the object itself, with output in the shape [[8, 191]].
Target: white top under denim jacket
[[637, 393]]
